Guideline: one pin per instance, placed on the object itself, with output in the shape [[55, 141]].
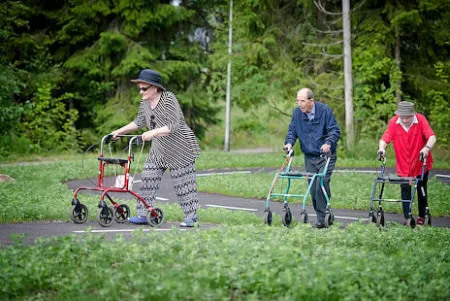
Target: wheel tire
[[304, 217], [327, 220], [373, 217], [121, 213], [105, 216], [268, 217], [287, 217], [79, 213], [411, 222], [155, 221], [427, 221], [380, 219]]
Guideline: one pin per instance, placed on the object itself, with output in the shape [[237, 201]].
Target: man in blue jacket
[[314, 125]]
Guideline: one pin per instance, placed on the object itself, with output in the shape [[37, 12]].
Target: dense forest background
[[65, 66]]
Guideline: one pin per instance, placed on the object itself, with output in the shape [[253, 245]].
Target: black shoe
[[318, 225]]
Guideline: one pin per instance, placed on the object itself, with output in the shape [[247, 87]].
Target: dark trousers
[[422, 196], [316, 164]]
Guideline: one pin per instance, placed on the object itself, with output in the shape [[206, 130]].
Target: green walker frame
[[285, 172]]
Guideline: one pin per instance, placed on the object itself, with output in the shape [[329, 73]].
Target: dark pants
[[422, 196], [316, 164]]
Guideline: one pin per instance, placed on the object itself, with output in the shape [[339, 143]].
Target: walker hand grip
[[289, 153], [325, 155], [380, 156], [421, 157]]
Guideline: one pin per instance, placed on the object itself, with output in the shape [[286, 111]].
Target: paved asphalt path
[[166, 194]]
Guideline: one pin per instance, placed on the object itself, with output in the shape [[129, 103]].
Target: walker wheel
[[121, 213], [411, 222], [79, 213], [304, 217], [380, 219], [329, 218], [373, 217], [268, 217], [155, 217], [427, 219], [105, 216], [287, 217]]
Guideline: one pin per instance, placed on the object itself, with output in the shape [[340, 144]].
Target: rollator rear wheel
[[373, 217], [155, 217], [411, 222], [287, 217], [427, 219], [121, 213], [268, 217], [304, 217], [79, 213], [380, 219], [105, 216]]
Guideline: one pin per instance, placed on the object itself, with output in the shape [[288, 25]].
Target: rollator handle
[[380, 156], [289, 153], [325, 155], [108, 138], [422, 157]]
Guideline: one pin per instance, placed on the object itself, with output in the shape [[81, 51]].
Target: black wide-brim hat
[[151, 77]]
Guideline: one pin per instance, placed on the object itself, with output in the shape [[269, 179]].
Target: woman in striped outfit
[[174, 146]]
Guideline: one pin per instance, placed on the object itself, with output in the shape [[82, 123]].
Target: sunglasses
[[144, 88]]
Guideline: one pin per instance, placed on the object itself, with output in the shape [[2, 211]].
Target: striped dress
[[180, 147]]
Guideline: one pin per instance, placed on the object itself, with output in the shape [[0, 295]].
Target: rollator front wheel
[[121, 213], [105, 216], [79, 213], [287, 217], [380, 219], [155, 217], [268, 217]]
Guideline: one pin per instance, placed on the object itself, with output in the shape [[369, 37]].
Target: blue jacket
[[312, 134]]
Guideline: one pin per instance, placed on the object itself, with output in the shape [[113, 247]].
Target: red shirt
[[407, 145]]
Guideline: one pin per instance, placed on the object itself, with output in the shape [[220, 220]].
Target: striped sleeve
[[173, 112], [140, 118]]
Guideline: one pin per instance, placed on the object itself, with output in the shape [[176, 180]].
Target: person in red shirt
[[411, 135]]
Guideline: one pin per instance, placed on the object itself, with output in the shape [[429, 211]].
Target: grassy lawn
[[240, 262]]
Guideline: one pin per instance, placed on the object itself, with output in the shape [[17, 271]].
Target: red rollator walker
[[117, 212], [382, 179]]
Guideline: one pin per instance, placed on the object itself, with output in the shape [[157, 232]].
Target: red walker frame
[[120, 213]]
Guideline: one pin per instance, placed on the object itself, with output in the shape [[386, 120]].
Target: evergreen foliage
[[65, 66]]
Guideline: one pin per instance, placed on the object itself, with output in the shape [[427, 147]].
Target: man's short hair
[[309, 93]]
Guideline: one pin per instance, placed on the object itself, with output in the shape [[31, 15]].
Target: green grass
[[244, 262]]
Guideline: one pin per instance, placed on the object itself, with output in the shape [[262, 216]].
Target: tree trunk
[[398, 60], [228, 100], [348, 75]]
